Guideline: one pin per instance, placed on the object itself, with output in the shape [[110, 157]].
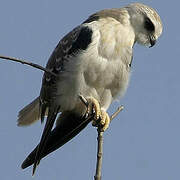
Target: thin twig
[[28, 63], [100, 146], [117, 112]]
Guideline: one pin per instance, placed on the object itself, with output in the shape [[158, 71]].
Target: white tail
[[29, 114]]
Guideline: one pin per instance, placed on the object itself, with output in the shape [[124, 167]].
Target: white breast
[[109, 56], [101, 71]]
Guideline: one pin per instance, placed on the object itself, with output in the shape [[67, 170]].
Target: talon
[[105, 120], [101, 117], [86, 115], [94, 109]]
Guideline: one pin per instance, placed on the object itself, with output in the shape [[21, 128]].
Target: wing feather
[[77, 40]]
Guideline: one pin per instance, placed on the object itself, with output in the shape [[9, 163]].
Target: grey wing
[[77, 40], [66, 47]]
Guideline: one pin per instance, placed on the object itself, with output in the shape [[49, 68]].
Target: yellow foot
[[104, 120], [94, 108], [101, 117]]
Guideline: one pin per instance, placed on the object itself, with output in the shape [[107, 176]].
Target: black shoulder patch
[[91, 19], [77, 40], [83, 40]]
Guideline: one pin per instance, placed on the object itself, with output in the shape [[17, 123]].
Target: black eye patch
[[148, 25]]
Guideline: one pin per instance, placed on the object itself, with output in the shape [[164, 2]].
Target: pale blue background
[[142, 144]]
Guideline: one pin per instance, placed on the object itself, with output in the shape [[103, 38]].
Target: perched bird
[[93, 60]]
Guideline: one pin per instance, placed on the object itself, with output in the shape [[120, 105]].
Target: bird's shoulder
[[69, 46]]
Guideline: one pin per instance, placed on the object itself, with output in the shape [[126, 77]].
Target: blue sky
[[141, 144]]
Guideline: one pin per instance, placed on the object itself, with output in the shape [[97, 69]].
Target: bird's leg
[[101, 117]]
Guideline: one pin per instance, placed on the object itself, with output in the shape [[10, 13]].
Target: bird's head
[[146, 23]]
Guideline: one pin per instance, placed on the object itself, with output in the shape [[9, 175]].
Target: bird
[[93, 61]]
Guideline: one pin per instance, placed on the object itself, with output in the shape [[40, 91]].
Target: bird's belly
[[88, 80], [112, 76]]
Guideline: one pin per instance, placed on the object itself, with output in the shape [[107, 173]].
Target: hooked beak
[[152, 40]]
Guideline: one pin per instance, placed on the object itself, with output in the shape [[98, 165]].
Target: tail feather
[[29, 114], [47, 130], [68, 128]]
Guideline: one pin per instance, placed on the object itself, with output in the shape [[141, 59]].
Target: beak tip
[[152, 41]]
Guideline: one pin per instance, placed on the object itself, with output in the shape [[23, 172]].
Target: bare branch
[[28, 63], [99, 155], [100, 146], [99, 138], [117, 112]]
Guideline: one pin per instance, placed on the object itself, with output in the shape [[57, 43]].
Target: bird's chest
[[103, 74], [108, 62]]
